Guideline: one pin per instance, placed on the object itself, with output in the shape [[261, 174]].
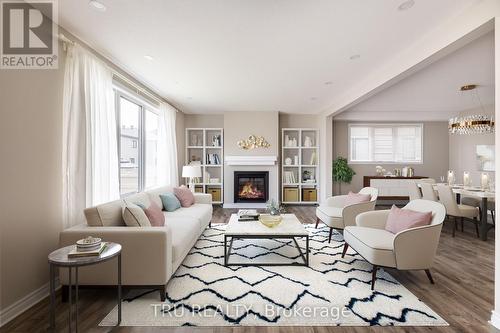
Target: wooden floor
[[462, 295]]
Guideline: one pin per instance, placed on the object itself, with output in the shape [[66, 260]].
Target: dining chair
[[475, 202], [457, 211], [413, 191], [428, 192]]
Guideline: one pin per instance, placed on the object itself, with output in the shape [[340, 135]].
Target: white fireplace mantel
[[251, 160]]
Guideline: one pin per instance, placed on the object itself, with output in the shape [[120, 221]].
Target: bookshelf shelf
[[301, 151], [205, 146]]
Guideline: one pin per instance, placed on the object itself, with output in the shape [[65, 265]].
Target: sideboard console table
[[390, 188]]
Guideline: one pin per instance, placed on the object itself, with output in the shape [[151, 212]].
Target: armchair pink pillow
[[155, 215], [403, 219], [184, 195], [356, 198]]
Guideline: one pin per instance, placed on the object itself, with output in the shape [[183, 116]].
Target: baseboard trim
[[17, 308], [495, 319]]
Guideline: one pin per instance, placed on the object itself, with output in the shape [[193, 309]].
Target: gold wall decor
[[253, 142]]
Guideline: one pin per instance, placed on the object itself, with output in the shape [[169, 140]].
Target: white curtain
[[90, 150], [167, 171]]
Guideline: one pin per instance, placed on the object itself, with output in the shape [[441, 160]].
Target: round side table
[[59, 258]]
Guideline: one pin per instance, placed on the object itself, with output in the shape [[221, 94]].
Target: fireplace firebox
[[251, 186]]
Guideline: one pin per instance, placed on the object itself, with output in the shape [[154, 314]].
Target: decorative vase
[[274, 211]]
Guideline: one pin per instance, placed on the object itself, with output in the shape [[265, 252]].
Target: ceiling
[[215, 56], [433, 92]]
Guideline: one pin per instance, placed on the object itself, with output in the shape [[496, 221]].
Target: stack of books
[[88, 247], [248, 215], [213, 159], [289, 177]]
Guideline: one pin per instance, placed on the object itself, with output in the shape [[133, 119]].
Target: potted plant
[[342, 172]]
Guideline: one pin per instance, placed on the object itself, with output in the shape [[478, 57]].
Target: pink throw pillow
[[184, 195], [356, 198], [155, 215], [403, 219]]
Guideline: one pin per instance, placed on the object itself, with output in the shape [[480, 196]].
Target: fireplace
[[251, 186]]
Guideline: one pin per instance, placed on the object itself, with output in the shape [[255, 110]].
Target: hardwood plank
[[463, 294]]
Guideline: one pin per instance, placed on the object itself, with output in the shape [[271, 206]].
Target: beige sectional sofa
[[150, 255]]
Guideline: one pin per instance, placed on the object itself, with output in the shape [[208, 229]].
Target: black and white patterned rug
[[331, 291]]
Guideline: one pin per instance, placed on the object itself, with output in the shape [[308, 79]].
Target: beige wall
[[463, 152], [30, 213], [240, 125], [204, 120], [436, 152]]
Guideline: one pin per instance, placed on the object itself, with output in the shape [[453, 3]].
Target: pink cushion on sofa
[[184, 195], [155, 215], [356, 198], [402, 219]]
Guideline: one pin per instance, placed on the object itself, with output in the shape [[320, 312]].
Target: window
[[385, 143], [138, 125]]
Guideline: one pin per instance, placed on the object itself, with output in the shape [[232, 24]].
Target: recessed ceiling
[[433, 93], [259, 55]]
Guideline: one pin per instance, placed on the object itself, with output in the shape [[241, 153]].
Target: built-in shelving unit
[[299, 166], [205, 146]]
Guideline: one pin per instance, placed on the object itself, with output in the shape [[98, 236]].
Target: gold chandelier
[[472, 124]]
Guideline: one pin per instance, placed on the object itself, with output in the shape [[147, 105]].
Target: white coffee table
[[289, 228]]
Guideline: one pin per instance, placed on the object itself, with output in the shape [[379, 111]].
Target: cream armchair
[[336, 215], [411, 249]]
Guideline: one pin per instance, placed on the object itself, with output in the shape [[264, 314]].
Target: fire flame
[[248, 190]]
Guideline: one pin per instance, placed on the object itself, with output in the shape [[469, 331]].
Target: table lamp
[[191, 172]]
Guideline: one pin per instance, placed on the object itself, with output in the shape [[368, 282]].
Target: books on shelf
[[75, 253], [213, 159], [289, 177], [313, 158]]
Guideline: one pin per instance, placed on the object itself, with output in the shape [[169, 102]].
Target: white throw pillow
[[134, 216]]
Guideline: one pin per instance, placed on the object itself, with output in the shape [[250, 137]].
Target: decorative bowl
[[88, 241], [270, 221]]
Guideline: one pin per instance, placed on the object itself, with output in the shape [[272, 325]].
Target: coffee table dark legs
[[52, 313], [227, 251], [307, 250]]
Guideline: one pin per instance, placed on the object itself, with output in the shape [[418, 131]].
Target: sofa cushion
[[134, 216], [105, 215], [170, 202], [403, 219], [202, 213], [375, 245], [185, 232], [184, 195], [155, 215], [138, 198], [154, 194]]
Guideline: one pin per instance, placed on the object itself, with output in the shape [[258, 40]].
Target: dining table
[[481, 194]]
